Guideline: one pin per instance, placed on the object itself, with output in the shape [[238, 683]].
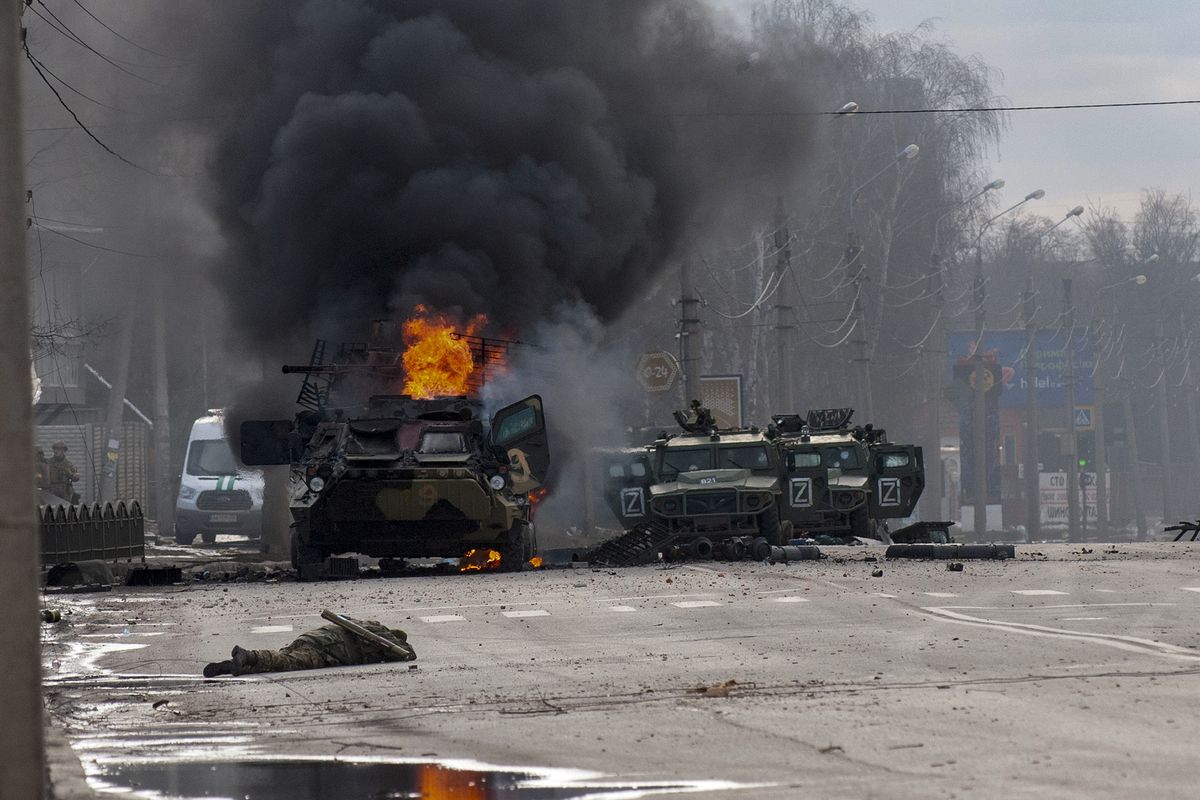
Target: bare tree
[[1166, 225]]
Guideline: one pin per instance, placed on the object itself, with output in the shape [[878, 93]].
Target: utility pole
[[1164, 423], [935, 484], [785, 401], [979, 415], [1139, 509], [1033, 510], [689, 321], [163, 474], [862, 359], [1101, 439], [22, 763], [1072, 448], [114, 421]]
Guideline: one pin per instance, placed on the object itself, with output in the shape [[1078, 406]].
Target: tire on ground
[[209, 537]]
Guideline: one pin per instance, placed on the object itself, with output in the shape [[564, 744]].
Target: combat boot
[[243, 660], [218, 668]]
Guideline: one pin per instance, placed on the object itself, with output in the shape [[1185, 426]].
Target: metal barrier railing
[[105, 532]]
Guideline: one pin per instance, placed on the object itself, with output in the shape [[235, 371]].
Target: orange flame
[[479, 561], [536, 562], [437, 361]]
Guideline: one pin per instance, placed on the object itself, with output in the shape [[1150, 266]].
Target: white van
[[216, 494]]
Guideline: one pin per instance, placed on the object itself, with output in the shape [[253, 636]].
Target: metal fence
[[103, 532]]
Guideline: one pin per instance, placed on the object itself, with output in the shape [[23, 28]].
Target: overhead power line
[[115, 33], [37, 68], [963, 110]]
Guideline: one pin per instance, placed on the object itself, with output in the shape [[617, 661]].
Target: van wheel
[[184, 538], [209, 537]]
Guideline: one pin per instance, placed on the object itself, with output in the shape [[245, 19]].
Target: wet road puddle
[[324, 779]]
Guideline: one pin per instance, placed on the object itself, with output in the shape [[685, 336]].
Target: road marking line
[[1093, 605], [443, 618], [648, 597], [273, 629], [1107, 591], [622, 608], [940, 594], [696, 604], [1037, 592], [776, 591], [1191, 588], [449, 608], [532, 612], [121, 635], [888, 596], [1130, 644], [789, 599], [1082, 619]]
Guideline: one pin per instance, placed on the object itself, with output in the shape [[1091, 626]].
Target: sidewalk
[[65, 778]]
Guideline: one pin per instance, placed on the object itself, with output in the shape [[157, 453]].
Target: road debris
[[717, 689]]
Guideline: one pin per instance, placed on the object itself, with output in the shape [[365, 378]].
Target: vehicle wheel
[[184, 538], [771, 528], [302, 554], [861, 524], [209, 537], [521, 546]]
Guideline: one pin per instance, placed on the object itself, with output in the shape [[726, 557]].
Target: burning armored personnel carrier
[[400, 477]]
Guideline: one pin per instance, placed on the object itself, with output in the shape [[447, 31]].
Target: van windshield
[[210, 457]]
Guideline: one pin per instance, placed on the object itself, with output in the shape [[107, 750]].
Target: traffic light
[[1085, 449]]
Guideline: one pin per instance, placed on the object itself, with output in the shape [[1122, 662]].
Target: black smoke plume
[[494, 156]]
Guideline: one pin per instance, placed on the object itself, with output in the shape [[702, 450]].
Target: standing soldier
[[61, 474], [327, 646]]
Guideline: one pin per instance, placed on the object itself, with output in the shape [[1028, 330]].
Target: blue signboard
[[1008, 350]]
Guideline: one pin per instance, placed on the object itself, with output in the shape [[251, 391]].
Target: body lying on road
[[344, 643]]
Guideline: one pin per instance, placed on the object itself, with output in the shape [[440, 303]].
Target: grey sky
[[1066, 51]]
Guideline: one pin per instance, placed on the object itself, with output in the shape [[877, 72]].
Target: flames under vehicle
[[402, 477]]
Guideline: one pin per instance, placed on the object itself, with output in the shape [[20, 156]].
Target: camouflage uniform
[[327, 646], [61, 474]]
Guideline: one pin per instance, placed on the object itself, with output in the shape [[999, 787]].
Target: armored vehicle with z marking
[[843, 481], [400, 477], [704, 491]]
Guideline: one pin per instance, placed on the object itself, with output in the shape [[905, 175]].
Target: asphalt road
[[1060, 674]]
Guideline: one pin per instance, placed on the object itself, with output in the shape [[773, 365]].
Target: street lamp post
[[933, 460], [979, 416], [853, 251], [1033, 518]]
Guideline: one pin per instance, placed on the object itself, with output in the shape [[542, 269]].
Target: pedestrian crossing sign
[[1085, 418]]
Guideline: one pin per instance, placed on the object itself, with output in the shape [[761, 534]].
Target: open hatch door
[[268, 443], [899, 474], [519, 434]]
